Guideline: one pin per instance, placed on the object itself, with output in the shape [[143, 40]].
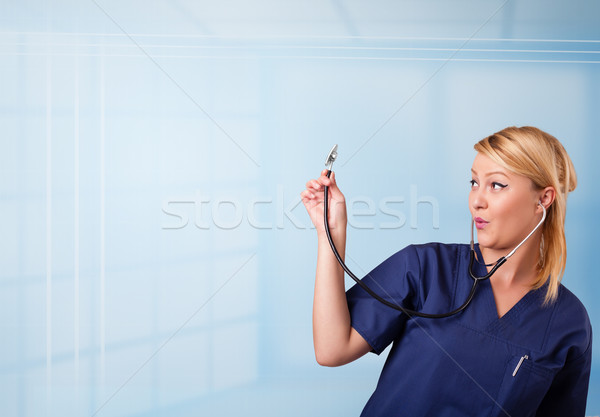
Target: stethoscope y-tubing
[[376, 296], [398, 307]]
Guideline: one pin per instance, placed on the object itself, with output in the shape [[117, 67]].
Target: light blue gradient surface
[[155, 259]]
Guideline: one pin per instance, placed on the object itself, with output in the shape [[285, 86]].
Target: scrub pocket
[[520, 395]]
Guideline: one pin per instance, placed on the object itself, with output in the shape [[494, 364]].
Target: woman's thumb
[[333, 181]]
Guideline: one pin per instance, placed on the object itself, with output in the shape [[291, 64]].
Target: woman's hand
[[313, 199]]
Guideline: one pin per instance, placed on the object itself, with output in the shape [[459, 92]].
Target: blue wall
[[155, 258]]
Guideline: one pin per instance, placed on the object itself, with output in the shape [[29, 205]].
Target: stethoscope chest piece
[[331, 157]]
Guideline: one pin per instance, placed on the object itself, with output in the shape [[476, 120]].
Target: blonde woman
[[522, 347]]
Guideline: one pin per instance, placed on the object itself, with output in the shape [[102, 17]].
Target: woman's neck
[[521, 268]]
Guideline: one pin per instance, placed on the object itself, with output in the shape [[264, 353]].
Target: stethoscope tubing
[[395, 306]]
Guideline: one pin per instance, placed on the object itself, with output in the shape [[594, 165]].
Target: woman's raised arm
[[336, 342]]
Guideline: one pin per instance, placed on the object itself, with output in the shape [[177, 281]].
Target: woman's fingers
[[315, 187], [318, 184], [307, 195]]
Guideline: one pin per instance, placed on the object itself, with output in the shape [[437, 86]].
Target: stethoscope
[[476, 280]]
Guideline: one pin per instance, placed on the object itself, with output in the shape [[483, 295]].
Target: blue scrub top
[[533, 361]]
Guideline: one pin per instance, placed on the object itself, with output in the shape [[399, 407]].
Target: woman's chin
[[485, 243], [483, 239]]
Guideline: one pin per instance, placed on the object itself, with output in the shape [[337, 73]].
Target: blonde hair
[[539, 156]]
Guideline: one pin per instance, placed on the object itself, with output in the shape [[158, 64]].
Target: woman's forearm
[[335, 342]]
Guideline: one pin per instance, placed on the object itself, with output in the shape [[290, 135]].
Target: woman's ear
[[547, 196]]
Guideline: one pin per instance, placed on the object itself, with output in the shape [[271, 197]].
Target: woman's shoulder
[[432, 255], [427, 254], [437, 249], [571, 322], [569, 304]]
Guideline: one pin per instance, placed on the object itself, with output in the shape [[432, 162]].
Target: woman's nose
[[478, 200]]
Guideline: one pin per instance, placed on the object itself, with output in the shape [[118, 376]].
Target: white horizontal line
[[306, 57], [171, 35], [360, 48]]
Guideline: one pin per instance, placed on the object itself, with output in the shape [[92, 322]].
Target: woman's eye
[[473, 183], [498, 186]]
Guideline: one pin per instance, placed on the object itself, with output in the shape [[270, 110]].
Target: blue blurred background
[[155, 258]]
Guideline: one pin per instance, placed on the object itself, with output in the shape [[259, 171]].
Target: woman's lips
[[480, 223]]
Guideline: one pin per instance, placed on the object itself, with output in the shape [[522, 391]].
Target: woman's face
[[504, 205]]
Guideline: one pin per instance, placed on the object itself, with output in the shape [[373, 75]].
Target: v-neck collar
[[515, 312]]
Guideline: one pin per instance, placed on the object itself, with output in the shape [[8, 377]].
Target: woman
[[523, 345]]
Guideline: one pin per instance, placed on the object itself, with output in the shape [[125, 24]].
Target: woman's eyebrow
[[491, 173]]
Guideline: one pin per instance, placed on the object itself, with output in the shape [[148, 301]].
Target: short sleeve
[[395, 280]]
